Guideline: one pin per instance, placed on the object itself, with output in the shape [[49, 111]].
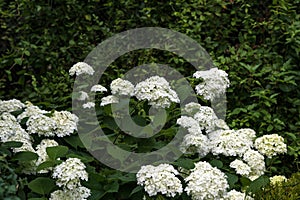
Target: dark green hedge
[[257, 42]]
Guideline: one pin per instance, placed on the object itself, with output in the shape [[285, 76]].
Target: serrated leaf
[[258, 184], [232, 179], [45, 165], [113, 187], [74, 141], [216, 163], [135, 190], [25, 156], [42, 185], [185, 163], [56, 152]]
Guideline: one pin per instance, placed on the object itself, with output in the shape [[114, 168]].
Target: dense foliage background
[[256, 42]]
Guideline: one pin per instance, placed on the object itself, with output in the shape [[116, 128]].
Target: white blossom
[[229, 142], [195, 143], [277, 180], [81, 68], [66, 123], [270, 145], [30, 110], [214, 83], [109, 100], [157, 91], [256, 162], [240, 167], [83, 96], [98, 88], [69, 173], [89, 105], [79, 193], [159, 179], [206, 118], [121, 87], [41, 125], [235, 195], [206, 182], [11, 105]]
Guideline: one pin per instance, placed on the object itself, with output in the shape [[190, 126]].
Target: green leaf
[[258, 184], [12, 144], [42, 185], [113, 187], [25, 156], [216, 163], [135, 190], [232, 179], [37, 199], [56, 152], [46, 165], [18, 61], [74, 141], [185, 163]]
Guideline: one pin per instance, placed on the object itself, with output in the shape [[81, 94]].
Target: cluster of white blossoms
[[206, 182], [120, 87], [42, 153], [69, 173], [277, 180], [159, 179], [256, 162], [11, 105], [81, 68], [29, 111], [214, 84], [231, 142], [66, 123], [270, 145], [240, 167], [79, 193], [235, 195], [157, 91]]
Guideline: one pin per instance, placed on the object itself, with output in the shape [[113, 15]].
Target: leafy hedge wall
[[256, 42]]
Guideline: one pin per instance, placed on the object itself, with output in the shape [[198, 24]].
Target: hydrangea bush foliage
[[216, 163]]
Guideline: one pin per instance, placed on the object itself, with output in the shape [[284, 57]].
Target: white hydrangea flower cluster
[[235, 195], [215, 83], [30, 110], [69, 173], [206, 182], [157, 91], [42, 153], [83, 96], [240, 167], [66, 123], [98, 88], [81, 68], [41, 124], [110, 99], [88, 105], [79, 193], [159, 179], [120, 87], [270, 145], [11, 105], [277, 180], [231, 142], [256, 162]]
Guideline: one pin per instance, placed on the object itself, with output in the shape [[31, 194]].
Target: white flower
[[230, 142], [256, 162], [121, 87], [83, 96], [235, 195], [214, 85], [80, 193], [41, 125], [206, 182], [270, 145], [42, 153], [195, 143], [66, 123], [159, 179], [29, 111], [109, 100], [89, 105], [69, 173], [81, 68], [277, 180], [157, 91], [191, 108], [206, 118], [98, 88], [240, 167], [11, 105]]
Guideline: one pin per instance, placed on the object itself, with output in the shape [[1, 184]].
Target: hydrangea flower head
[[121, 87], [41, 124], [66, 123], [81, 68], [270, 145], [159, 179], [11, 105]]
